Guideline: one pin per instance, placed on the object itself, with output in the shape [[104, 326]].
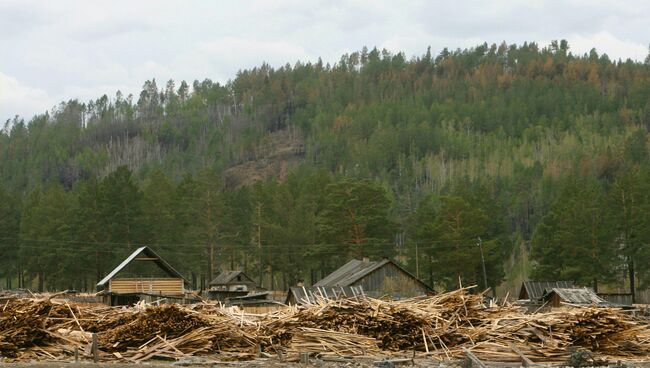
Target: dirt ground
[[274, 363]]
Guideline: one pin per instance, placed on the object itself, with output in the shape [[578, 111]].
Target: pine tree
[[9, 231], [121, 209], [46, 232], [576, 239], [451, 240], [355, 217], [158, 207], [630, 204]]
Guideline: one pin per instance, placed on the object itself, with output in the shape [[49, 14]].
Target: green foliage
[[375, 155], [9, 231], [576, 239], [451, 238], [121, 208], [355, 215]]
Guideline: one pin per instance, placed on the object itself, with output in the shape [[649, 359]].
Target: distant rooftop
[[148, 254], [576, 296], [228, 277], [351, 272], [534, 290]]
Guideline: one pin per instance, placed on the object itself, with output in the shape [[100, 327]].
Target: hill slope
[[375, 155]]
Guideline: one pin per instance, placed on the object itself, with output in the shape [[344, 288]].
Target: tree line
[[281, 232], [538, 152]]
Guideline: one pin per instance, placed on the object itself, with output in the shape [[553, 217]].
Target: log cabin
[[161, 280]]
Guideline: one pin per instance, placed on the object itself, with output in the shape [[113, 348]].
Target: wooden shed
[[233, 281], [232, 284], [169, 282], [534, 290], [255, 303], [557, 297], [377, 279], [304, 295]]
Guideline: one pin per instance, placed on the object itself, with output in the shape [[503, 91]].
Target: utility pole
[[417, 262], [480, 247], [259, 239]]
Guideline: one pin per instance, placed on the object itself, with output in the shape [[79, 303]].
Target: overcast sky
[[59, 50]]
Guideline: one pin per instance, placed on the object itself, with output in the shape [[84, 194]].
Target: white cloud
[[225, 56], [605, 42], [19, 99], [78, 49]]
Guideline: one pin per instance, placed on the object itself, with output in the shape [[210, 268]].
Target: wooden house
[[160, 279], [376, 279], [233, 281], [231, 284], [255, 303]]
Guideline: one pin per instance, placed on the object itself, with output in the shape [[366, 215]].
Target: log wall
[[163, 286]]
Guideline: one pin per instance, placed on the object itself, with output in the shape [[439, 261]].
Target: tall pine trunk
[[630, 267]]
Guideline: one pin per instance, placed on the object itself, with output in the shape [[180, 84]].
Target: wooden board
[[167, 286]]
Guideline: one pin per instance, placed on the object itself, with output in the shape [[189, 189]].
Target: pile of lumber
[[174, 331], [445, 326], [397, 325], [328, 342], [450, 324], [22, 324]]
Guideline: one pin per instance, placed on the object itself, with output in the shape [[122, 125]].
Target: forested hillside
[[287, 173]]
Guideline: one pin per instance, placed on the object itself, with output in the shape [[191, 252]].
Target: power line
[[309, 248], [469, 241]]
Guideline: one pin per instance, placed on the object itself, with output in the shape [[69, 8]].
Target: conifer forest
[[533, 153]]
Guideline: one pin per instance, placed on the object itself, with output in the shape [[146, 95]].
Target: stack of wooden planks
[[328, 342], [445, 326]]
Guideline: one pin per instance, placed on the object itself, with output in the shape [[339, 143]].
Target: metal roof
[[350, 272], [255, 296], [228, 276], [311, 295], [355, 270], [149, 253], [536, 289], [576, 296]]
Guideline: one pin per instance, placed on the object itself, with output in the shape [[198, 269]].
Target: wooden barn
[[231, 284], [376, 279], [557, 297], [143, 273]]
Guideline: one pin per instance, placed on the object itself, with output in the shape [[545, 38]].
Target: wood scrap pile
[[447, 325], [327, 342], [397, 325], [53, 329], [444, 325], [22, 324], [553, 336], [177, 331]]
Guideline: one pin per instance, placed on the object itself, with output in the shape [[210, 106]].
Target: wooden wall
[[162, 286], [617, 298], [392, 281]]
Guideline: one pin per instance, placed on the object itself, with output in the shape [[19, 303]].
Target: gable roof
[[310, 295], [350, 272], [148, 252], [355, 270], [227, 277], [576, 296], [536, 289]]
